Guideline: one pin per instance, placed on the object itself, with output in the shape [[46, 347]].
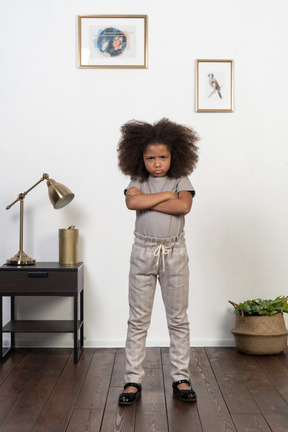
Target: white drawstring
[[157, 253]]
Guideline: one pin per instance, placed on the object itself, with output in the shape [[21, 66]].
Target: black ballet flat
[[184, 395], [130, 398]]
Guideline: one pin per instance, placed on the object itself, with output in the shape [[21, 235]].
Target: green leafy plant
[[259, 307]]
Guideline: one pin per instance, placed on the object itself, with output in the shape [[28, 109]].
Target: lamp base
[[21, 258]]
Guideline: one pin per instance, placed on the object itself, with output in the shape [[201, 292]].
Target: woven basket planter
[[260, 335]]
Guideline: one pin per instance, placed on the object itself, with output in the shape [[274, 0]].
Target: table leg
[[12, 312], [75, 328], [78, 342], [82, 319]]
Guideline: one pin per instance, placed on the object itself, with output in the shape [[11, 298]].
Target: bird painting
[[215, 85]]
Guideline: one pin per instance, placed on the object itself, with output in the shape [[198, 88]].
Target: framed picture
[[214, 85], [112, 41]]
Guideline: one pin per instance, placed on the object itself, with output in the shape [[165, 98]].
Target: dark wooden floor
[[42, 390]]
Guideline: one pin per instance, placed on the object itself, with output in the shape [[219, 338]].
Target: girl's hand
[[174, 196], [179, 206], [136, 200], [133, 191]]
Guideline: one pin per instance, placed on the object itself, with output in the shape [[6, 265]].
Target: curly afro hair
[[137, 135]]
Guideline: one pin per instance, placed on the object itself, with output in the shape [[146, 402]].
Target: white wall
[[59, 119]]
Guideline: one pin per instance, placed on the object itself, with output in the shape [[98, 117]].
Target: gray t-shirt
[[156, 224]]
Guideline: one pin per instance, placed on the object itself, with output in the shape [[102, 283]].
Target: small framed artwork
[[214, 85], [112, 41]]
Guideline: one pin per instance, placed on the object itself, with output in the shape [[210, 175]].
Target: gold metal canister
[[68, 245]]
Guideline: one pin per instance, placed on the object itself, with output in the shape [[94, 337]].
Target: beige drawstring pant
[[167, 260]]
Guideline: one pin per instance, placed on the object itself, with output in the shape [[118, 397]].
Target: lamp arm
[[21, 196]]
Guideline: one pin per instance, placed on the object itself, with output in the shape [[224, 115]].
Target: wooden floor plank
[[280, 382], [95, 387], [151, 392], [42, 390], [151, 409], [250, 423], [181, 416], [277, 374], [87, 420], [271, 404], [152, 361], [10, 363], [60, 405], [117, 418], [210, 403], [271, 364], [117, 378], [16, 383], [283, 357], [234, 390], [34, 397]]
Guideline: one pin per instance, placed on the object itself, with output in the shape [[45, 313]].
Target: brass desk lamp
[[59, 196]]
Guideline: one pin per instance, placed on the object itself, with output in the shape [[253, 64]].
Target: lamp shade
[[59, 194]]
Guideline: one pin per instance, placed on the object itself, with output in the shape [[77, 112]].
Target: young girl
[[158, 159]]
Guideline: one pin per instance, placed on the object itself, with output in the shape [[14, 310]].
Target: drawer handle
[[37, 274]]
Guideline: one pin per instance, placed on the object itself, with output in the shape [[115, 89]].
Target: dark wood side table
[[43, 279]]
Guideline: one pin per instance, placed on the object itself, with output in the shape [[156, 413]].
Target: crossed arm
[[165, 202]]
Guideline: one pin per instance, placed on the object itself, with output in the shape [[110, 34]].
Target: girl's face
[[157, 159]]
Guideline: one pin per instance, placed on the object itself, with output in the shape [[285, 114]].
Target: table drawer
[[38, 281]]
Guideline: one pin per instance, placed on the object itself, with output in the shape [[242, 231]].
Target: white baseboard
[[161, 343]]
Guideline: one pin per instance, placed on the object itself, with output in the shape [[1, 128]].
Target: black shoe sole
[[177, 395], [137, 396]]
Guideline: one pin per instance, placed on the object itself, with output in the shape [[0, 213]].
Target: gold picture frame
[[112, 41], [214, 85]]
